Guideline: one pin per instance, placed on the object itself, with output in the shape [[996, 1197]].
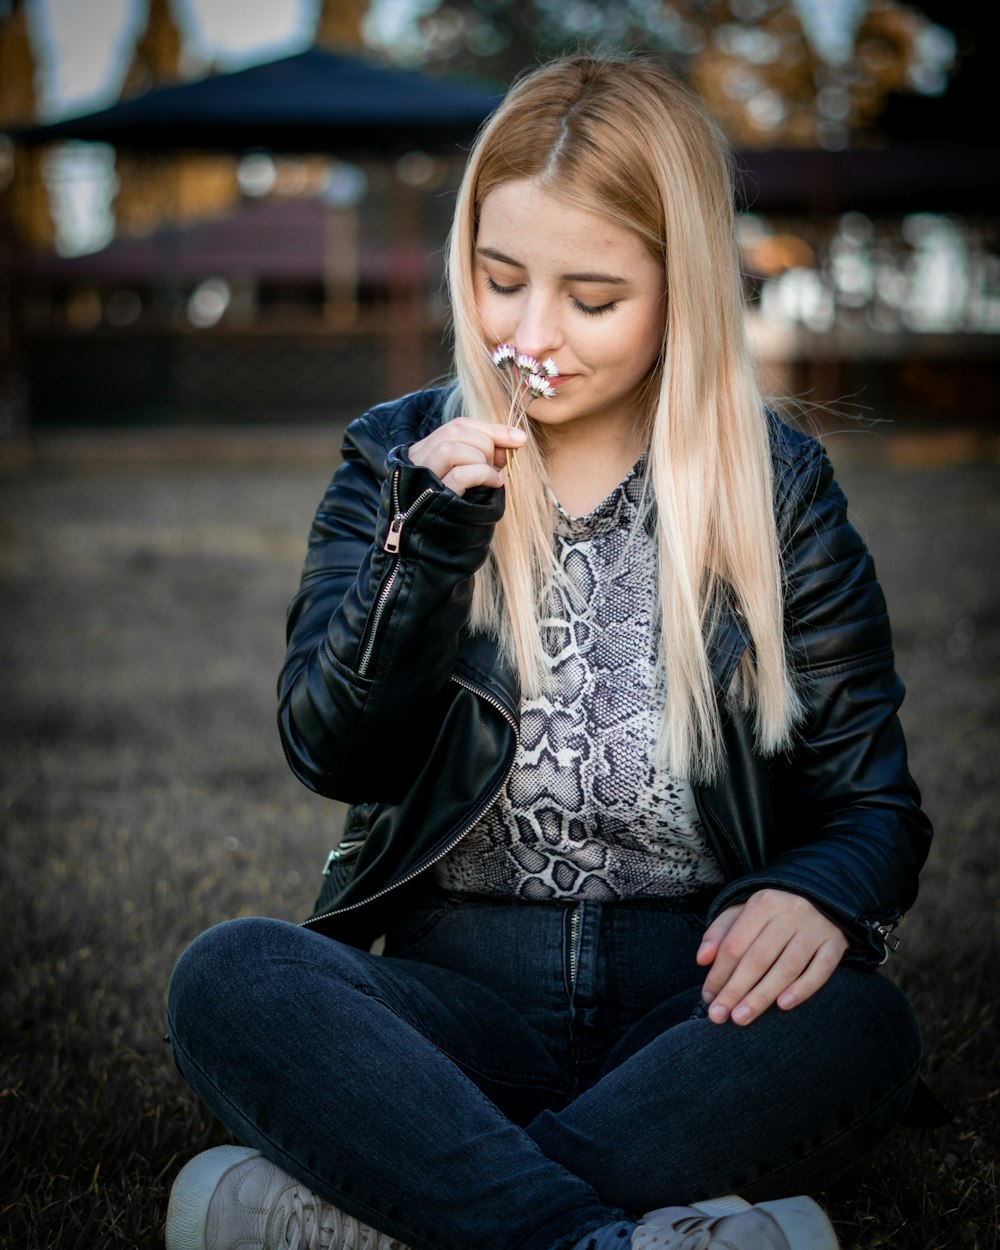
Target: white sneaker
[[232, 1198], [731, 1224]]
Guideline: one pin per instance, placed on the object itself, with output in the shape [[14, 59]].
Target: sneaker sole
[[197, 1181]]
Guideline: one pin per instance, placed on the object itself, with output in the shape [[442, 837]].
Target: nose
[[538, 330]]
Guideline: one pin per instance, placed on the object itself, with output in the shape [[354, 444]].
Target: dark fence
[[222, 376]]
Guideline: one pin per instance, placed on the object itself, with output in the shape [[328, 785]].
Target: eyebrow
[[607, 278]]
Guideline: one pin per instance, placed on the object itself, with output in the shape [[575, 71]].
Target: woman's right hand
[[465, 453]]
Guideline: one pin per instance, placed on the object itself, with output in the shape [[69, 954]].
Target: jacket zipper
[[393, 539], [346, 849], [887, 936], [415, 872]]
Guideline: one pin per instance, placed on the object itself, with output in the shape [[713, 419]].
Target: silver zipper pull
[[395, 534]]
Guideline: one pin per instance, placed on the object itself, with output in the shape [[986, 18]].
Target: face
[[559, 281]]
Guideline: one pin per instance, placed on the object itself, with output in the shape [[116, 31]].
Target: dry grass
[[143, 797]]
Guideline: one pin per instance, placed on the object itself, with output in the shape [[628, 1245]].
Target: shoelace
[[690, 1232], [317, 1225], [696, 1234]]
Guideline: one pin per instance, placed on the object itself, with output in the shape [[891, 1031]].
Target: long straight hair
[[623, 138]]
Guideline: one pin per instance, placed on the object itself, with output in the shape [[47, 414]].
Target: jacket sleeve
[[850, 834], [373, 630]]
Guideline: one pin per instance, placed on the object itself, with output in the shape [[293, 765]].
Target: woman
[[611, 693]]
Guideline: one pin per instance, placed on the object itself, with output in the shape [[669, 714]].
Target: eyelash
[[588, 310]]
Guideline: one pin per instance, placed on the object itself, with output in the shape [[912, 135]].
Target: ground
[[143, 796]]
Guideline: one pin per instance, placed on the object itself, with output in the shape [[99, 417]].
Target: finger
[[467, 430], [784, 986], [739, 969], [825, 963], [464, 477], [715, 932], [786, 969], [465, 442], [447, 454], [805, 964], [767, 908], [507, 435], [732, 948], [459, 431]]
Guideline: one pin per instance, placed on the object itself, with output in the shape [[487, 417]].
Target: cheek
[[646, 346], [629, 349], [493, 316]]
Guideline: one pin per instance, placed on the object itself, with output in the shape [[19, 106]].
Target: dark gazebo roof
[[313, 101], [940, 154]]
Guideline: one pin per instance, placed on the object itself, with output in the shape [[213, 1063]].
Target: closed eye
[[497, 289], [590, 310], [595, 310]]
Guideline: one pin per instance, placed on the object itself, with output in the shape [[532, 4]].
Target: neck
[[584, 467]]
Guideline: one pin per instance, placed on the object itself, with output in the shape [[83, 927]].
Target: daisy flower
[[527, 378], [539, 387]]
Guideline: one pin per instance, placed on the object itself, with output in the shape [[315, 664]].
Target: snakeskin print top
[[586, 812]]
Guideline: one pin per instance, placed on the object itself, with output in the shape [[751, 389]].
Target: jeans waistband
[[696, 903]]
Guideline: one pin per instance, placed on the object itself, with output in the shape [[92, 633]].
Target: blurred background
[[221, 232], [230, 242]]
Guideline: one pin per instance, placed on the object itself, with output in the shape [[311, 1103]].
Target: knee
[[869, 1021], [216, 967], [884, 1010]]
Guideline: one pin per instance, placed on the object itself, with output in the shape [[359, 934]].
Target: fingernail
[[705, 946], [707, 996], [741, 1014], [786, 1000], [717, 1013]]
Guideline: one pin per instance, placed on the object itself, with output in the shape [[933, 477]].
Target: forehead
[[529, 224]]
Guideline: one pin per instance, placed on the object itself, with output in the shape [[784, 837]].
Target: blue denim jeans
[[511, 1076]]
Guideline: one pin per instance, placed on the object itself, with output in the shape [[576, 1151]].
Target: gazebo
[[942, 159], [315, 102]]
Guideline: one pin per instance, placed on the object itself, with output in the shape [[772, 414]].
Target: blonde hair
[[623, 138]]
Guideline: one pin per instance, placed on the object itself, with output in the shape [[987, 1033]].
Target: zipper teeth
[[494, 702], [386, 591], [574, 942], [491, 699], [380, 603]]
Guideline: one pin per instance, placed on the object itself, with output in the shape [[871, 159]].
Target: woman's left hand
[[776, 947]]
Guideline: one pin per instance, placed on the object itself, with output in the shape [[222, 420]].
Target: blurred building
[[870, 233], [301, 287], [24, 206], [289, 308], [154, 190]]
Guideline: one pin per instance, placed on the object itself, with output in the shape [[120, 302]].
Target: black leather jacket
[[389, 703]]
